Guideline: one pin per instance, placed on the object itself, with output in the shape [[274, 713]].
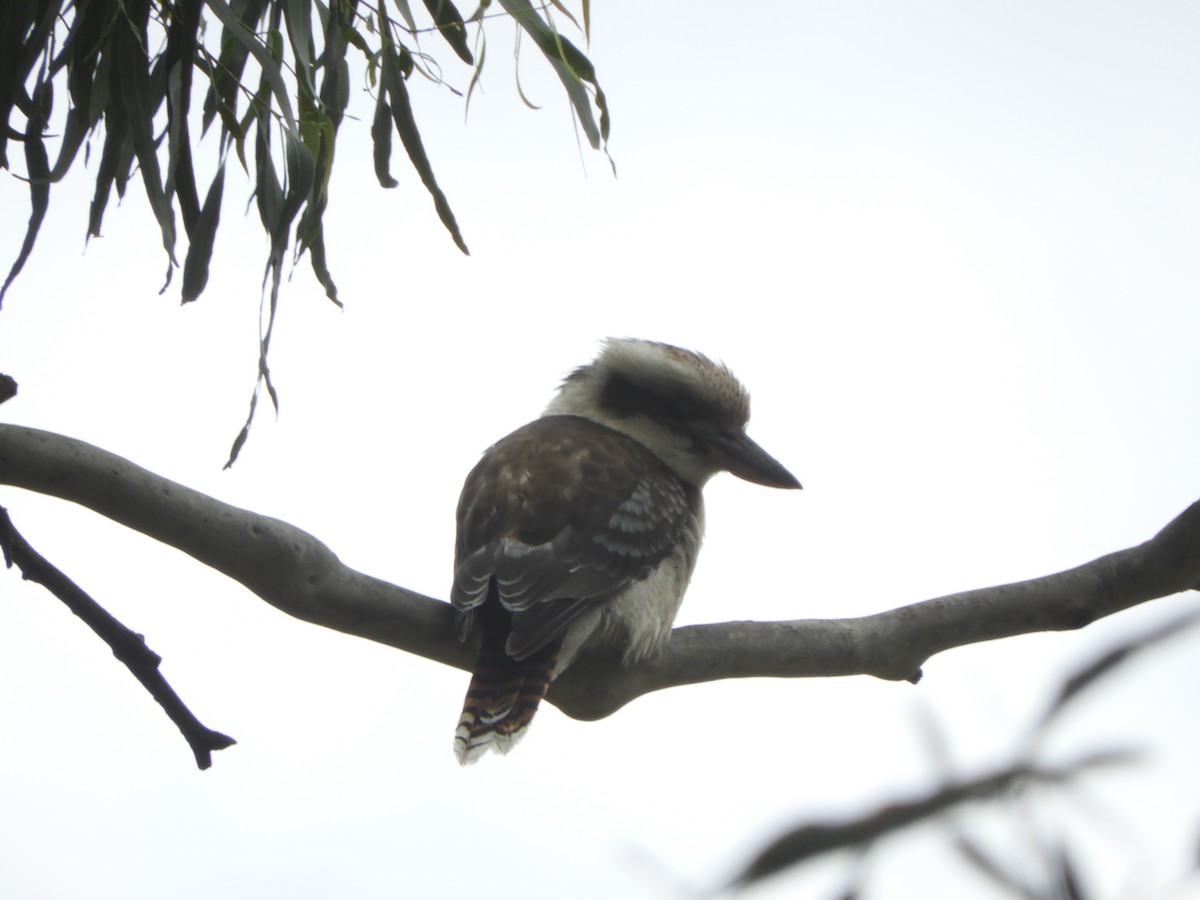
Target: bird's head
[[688, 410]]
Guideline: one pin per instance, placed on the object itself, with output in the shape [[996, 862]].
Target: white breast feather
[[641, 617]]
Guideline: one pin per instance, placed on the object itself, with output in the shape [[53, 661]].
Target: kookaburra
[[583, 526]]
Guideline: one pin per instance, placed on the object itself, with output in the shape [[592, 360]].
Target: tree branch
[[811, 839], [127, 646], [296, 573]]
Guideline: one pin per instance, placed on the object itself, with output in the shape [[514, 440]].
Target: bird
[[581, 528]]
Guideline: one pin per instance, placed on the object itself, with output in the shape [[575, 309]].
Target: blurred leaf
[[317, 132], [571, 66], [320, 118], [269, 192], [557, 4], [74, 131], [240, 440], [301, 175], [934, 740], [179, 59], [38, 165], [986, 865], [110, 157], [298, 16], [139, 101], [354, 39], [335, 84], [310, 236], [316, 252], [270, 69], [225, 78], [213, 103], [810, 840], [1108, 662], [406, 15], [24, 31], [200, 246], [99, 96], [477, 73], [381, 135], [520, 90], [450, 25], [180, 177], [406, 126], [480, 11], [125, 158], [1068, 885], [278, 206], [271, 202], [130, 69]]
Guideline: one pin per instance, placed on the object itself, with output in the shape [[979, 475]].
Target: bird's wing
[[561, 515]]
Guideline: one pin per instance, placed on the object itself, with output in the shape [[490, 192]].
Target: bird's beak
[[738, 454]]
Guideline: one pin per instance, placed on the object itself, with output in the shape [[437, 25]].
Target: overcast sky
[[950, 248]]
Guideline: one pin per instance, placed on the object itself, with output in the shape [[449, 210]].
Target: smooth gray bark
[[298, 574]]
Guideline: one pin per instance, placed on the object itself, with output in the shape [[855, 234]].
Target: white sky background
[[951, 248]]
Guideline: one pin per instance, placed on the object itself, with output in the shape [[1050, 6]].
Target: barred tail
[[502, 698]]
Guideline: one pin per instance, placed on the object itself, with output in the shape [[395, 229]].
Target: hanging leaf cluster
[[273, 78]]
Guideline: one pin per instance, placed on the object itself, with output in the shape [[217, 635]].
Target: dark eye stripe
[[624, 398]]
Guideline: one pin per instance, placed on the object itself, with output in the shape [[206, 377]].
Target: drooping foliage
[[272, 79]]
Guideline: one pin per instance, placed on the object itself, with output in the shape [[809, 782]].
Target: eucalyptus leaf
[[201, 238], [37, 162]]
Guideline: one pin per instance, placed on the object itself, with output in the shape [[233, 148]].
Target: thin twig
[[127, 646]]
